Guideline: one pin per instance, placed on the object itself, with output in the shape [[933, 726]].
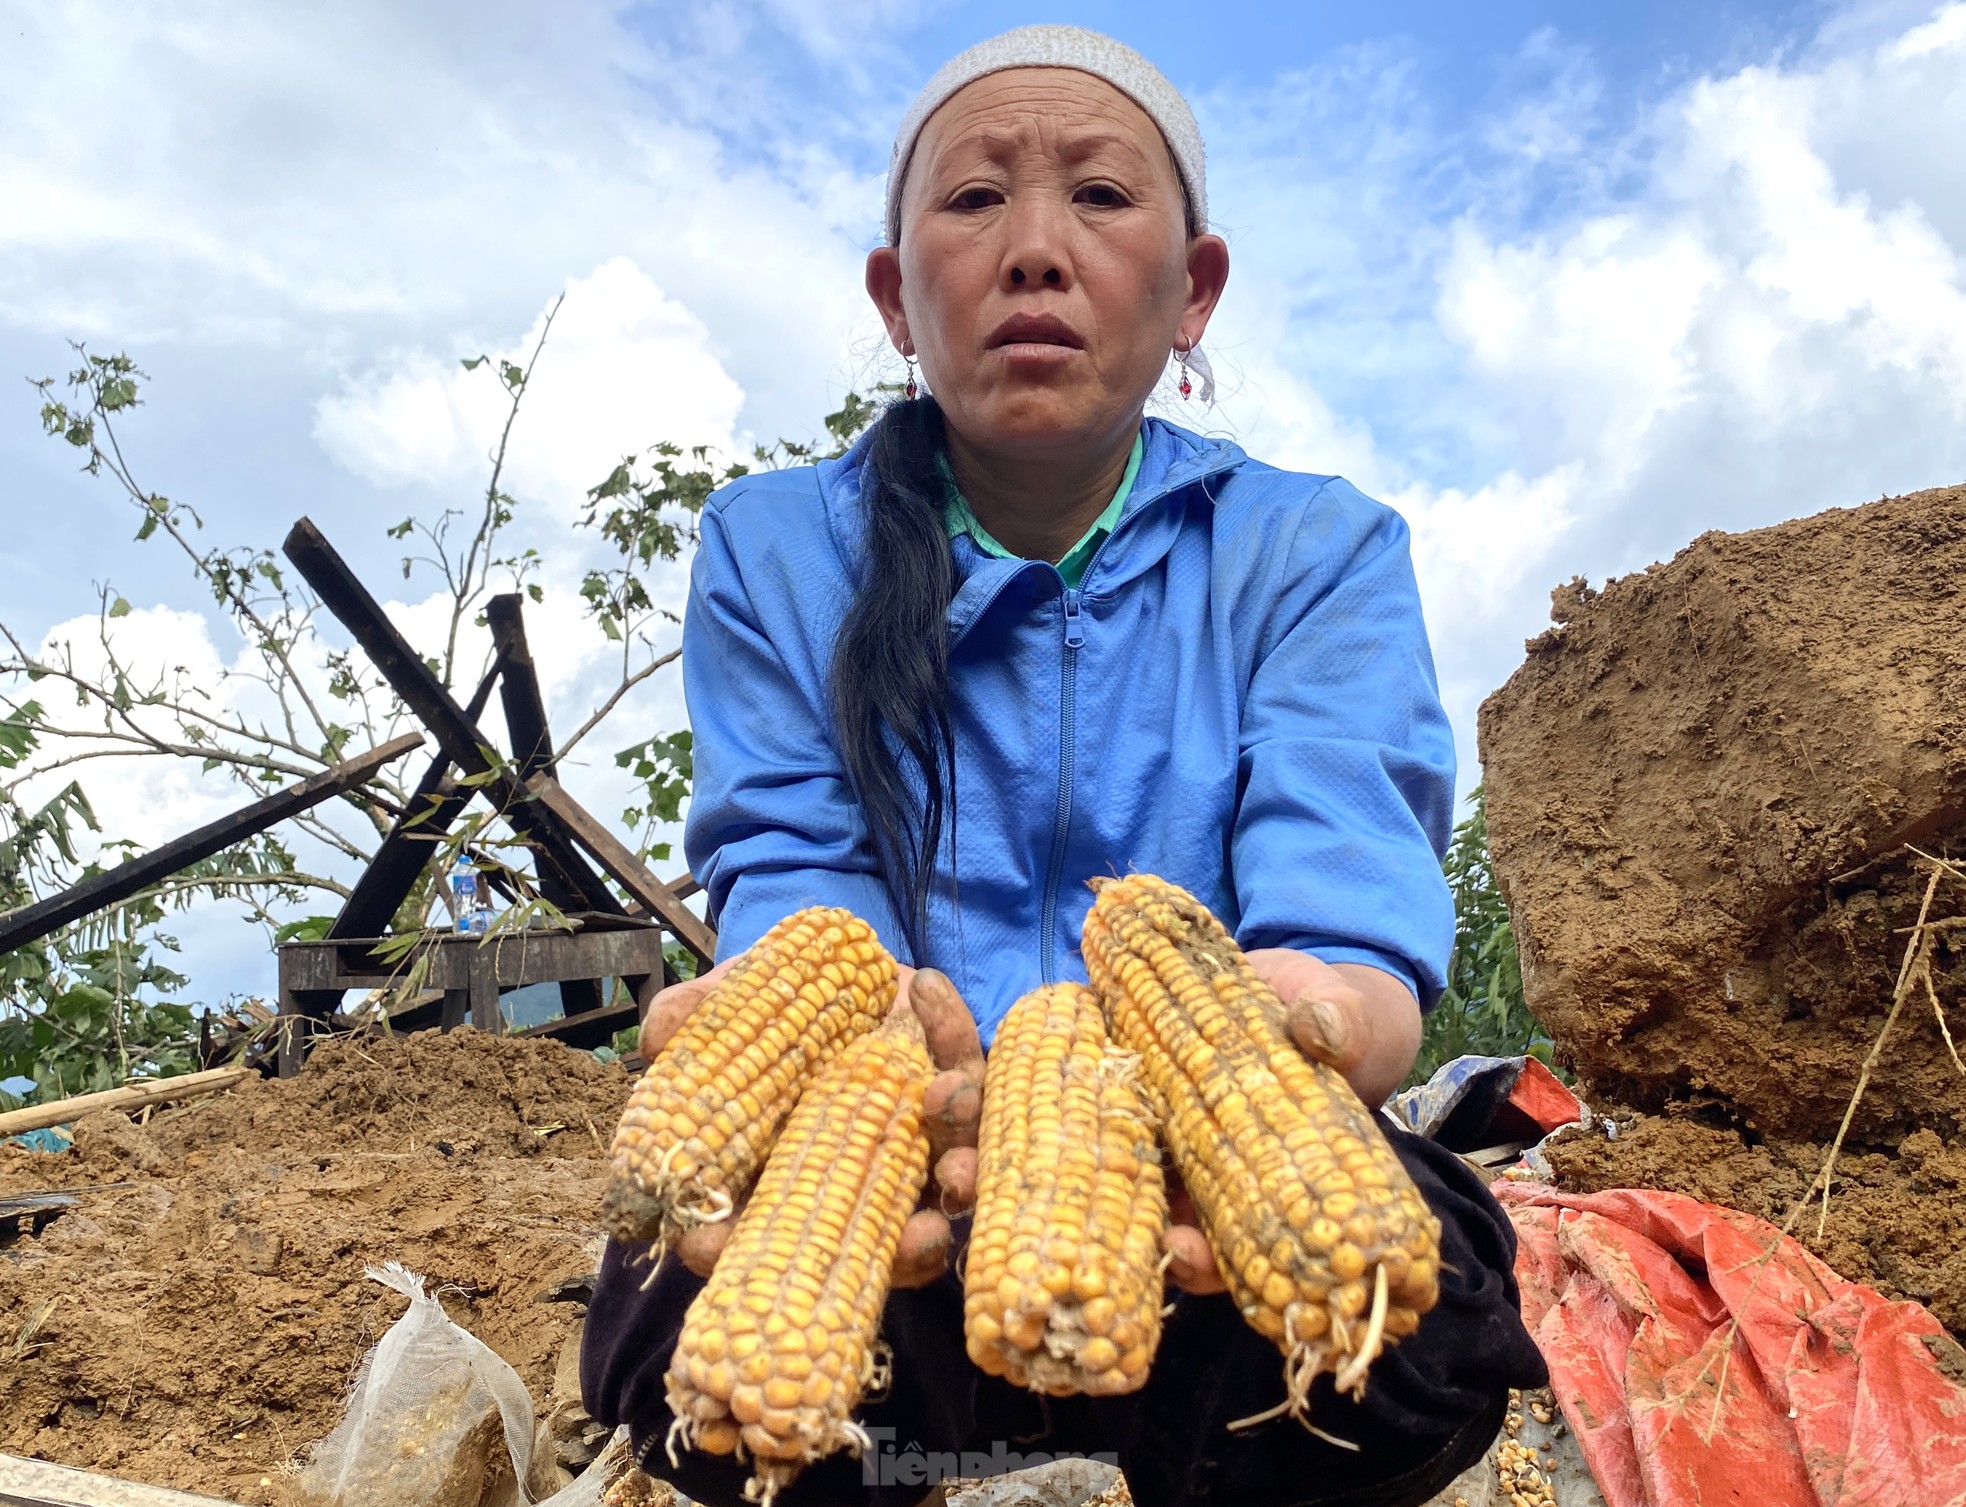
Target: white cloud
[[146, 800], [367, 177], [1579, 345], [623, 364], [1586, 341], [1756, 303]]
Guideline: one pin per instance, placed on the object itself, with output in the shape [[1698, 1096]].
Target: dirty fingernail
[[1330, 1024]]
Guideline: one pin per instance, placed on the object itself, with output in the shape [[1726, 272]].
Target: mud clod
[[1703, 788]]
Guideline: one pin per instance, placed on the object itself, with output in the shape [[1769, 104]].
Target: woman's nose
[[1051, 277], [1037, 254]]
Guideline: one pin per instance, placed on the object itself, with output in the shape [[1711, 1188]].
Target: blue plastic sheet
[[53, 1138]]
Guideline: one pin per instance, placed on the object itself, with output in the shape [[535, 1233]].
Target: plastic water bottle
[[464, 897]]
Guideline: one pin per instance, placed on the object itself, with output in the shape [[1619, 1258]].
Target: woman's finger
[[955, 1180], [1191, 1264], [1190, 1261], [700, 1246], [1329, 1026], [923, 1254], [953, 1107], [1327, 1015], [953, 1041], [674, 1005]]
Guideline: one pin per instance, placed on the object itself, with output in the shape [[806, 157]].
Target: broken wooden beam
[[343, 594], [625, 868], [31, 922], [594, 1028], [129, 1096], [392, 873], [518, 689]]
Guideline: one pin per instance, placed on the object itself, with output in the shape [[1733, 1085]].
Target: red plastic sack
[[1540, 1097], [1825, 1393]]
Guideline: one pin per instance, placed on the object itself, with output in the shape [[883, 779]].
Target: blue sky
[[1567, 284]]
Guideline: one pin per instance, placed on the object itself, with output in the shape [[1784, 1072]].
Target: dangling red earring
[[1186, 388], [913, 388]]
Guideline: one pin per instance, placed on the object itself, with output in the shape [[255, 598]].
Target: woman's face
[[1044, 270]]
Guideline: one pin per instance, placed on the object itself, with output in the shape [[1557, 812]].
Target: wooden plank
[[531, 742], [622, 866], [413, 680], [36, 1483], [516, 958], [31, 1212], [426, 1010], [386, 882], [595, 1028], [30, 922], [129, 1096], [484, 990]]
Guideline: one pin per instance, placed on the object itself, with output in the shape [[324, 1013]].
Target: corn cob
[[702, 1119], [1062, 1287], [1325, 1244], [780, 1344]]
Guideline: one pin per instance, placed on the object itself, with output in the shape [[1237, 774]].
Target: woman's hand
[[1361, 1021], [953, 1112]]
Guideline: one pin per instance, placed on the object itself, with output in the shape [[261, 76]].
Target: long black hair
[[890, 672]]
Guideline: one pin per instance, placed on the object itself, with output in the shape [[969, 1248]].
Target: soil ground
[[1895, 1213], [196, 1320]]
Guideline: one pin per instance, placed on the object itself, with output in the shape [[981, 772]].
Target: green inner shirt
[[962, 521]]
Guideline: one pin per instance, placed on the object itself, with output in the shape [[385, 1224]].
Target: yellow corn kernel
[[1066, 1144], [1252, 1124], [702, 1119], [854, 1148]]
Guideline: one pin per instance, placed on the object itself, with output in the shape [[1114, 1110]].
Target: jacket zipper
[[1067, 729], [1067, 750]]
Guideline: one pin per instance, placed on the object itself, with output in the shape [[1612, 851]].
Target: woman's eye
[[1101, 196], [980, 197]]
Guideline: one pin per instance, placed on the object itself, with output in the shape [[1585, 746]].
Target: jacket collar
[[1173, 463]]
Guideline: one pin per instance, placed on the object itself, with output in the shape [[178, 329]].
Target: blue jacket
[[1239, 698]]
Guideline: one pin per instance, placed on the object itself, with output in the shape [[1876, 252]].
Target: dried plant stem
[[1939, 1013], [1917, 960]]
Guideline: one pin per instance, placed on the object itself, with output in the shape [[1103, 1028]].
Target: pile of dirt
[[196, 1320], [1705, 788], [1715, 793]]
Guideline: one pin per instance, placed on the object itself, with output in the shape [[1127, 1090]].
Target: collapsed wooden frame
[[559, 832]]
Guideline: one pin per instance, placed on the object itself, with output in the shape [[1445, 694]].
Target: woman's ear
[[1208, 274], [884, 287]]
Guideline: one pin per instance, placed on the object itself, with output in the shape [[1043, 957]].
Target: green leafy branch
[[1482, 1011]]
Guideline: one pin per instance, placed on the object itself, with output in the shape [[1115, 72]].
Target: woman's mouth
[[1039, 337]]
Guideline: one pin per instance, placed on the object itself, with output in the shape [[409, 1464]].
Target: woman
[[1020, 636]]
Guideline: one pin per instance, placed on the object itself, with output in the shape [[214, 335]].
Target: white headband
[[1059, 47]]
